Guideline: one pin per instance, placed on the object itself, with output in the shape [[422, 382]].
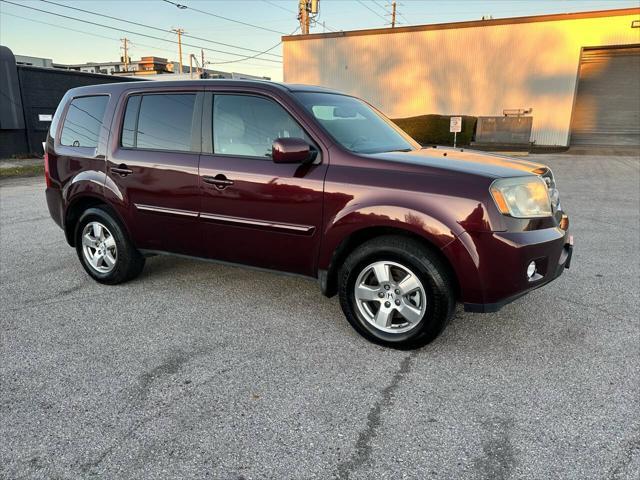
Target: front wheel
[[104, 250], [396, 292]]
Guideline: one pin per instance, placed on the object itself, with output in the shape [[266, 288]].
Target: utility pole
[[307, 11], [179, 31], [125, 48], [202, 64], [303, 16], [393, 14]]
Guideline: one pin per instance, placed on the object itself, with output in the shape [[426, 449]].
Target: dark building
[[28, 99]]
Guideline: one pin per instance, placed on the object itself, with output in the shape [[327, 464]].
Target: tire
[[425, 296], [99, 234]]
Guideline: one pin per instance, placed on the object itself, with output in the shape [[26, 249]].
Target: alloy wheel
[[390, 297], [99, 247]]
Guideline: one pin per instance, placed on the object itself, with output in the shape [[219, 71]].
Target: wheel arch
[[329, 278], [78, 206]]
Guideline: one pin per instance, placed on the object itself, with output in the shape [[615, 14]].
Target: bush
[[434, 129]]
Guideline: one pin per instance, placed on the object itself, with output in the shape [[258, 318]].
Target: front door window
[[246, 125]]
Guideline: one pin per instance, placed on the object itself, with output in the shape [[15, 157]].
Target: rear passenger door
[[154, 164]]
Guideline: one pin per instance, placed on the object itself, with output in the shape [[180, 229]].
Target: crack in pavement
[[498, 457], [629, 448], [363, 444], [590, 305], [170, 366]]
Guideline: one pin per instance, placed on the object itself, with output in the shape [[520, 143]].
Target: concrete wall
[[467, 68]]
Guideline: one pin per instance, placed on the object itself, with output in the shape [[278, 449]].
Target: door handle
[[219, 181], [122, 170]]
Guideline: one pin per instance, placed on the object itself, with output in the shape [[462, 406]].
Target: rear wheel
[[396, 292], [104, 250]]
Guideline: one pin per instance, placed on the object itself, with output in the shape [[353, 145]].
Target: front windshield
[[354, 124]]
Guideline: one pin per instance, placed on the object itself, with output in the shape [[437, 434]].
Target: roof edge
[[468, 24]]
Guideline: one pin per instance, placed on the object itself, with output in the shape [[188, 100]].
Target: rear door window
[[131, 122], [84, 119], [159, 122]]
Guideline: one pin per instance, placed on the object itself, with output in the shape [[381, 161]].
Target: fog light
[[531, 270]]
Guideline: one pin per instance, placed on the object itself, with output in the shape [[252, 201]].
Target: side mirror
[[292, 150]]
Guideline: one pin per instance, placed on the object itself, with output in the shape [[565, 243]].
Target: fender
[[347, 223], [439, 224], [350, 222], [464, 258], [86, 183], [92, 186]]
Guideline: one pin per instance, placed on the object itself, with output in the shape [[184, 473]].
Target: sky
[[37, 33]]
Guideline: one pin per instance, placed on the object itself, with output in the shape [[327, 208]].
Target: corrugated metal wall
[[477, 70], [607, 107]]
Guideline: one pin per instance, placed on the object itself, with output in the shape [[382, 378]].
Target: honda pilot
[[303, 180]]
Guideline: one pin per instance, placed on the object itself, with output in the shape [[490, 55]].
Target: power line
[[381, 6], [372, 10], [67, 28], [276, 45], [275, 4], [140, 34], [184, 7], [324, 25], [316, 21], [97, 35], [159, 29], [497, 8]]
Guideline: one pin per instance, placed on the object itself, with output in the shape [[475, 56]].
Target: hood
[[466, 161]]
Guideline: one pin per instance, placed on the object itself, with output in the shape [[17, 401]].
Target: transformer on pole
[[307, 11]]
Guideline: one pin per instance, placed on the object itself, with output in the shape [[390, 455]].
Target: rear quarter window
[[82, 124]]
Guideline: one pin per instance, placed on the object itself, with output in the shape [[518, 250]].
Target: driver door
[[254, 211]]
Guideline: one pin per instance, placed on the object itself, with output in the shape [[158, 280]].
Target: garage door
[[607, 109]]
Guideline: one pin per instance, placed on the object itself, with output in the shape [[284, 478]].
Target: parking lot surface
[[196, 370]]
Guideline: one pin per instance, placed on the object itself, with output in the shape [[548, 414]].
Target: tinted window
[[247, 126], [130, 121], [355, 125], [159, 122], [84, 119]]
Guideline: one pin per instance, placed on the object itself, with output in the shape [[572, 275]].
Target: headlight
[[554, 195], [522, 197]]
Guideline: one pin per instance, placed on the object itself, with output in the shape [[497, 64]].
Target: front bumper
[[491, 267]]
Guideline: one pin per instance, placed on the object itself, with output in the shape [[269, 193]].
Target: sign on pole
[[455, 126]]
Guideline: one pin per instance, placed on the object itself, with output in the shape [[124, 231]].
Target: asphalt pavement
[[196, 370]]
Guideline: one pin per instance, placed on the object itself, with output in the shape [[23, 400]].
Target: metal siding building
[[472, 68]]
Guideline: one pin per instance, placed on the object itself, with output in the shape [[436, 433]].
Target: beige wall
[[476, 71]]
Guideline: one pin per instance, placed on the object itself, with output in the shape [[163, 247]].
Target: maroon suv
[[302, 180]]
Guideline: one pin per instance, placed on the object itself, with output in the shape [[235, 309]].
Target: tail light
[[47, 174]]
